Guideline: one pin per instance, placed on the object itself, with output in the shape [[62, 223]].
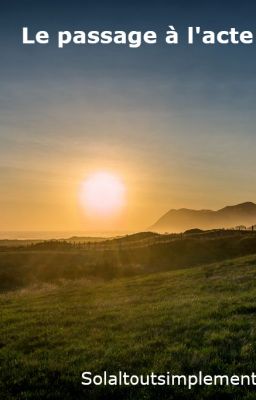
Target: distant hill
[[227, 217]]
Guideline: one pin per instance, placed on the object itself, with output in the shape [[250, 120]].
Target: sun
[[102, 194]]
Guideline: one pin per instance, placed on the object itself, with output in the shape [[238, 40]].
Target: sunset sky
[[176, 125]]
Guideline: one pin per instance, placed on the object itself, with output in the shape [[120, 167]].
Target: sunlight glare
[[102, 194]]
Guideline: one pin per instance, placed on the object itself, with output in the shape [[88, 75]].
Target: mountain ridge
[[178, 220]]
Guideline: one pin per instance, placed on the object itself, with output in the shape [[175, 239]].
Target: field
[[181, 320]]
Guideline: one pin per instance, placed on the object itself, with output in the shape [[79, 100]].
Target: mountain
[[227, 217]]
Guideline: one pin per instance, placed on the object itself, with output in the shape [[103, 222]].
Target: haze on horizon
[[176, 125]]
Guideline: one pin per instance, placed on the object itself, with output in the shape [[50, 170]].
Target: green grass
[[201, 318]]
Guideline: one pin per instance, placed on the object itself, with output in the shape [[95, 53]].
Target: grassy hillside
[[202, 318], [50, 262]]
